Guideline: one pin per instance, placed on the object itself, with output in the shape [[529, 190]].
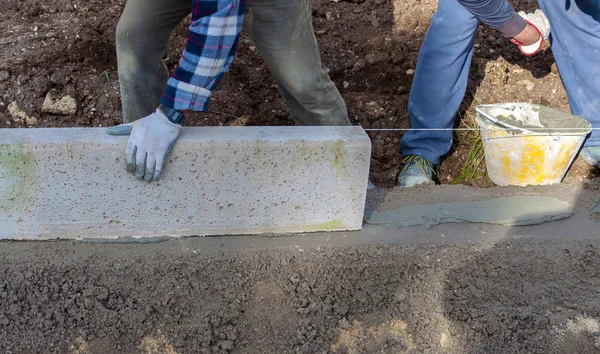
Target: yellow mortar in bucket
[[529, 144]]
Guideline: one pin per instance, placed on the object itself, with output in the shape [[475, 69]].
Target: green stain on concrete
[[69, 151], [257, 150], [17, 176], [332, 225], [337, 166], [339, 159]]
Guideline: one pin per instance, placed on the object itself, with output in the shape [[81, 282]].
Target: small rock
[[35, 11], [329, 15], [16, 112], [321, 32], [358, 66], [66, 106], [58, 78], [357, 10], [4, 75], [492, 51], [240, 122], [19, 115], [345, 324], [370, 58], [346, 84], [374, 21], [554, 91], [410, 72], [23, 79], [31, 121], [378, 142], [227, 345], [530, 86]]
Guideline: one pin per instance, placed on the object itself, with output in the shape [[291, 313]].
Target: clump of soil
[[67, 47]]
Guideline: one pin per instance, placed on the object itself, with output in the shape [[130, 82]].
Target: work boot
[[591, 155], [417, 170]]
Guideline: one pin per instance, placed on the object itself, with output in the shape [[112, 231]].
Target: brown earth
[[514, 296], [371, 48]]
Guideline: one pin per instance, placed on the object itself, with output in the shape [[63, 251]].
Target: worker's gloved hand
[[150, 141], [538, 21]]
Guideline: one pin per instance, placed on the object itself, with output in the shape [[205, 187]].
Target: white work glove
[[150, 141], [538, 21]]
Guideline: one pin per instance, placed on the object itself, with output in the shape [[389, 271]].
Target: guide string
[[546, 130]]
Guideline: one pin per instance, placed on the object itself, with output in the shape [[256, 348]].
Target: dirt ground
[[66, 47], [512, 296]]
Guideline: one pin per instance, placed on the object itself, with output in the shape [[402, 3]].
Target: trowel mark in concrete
[[508, 211]]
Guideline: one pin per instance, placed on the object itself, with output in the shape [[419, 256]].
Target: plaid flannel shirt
[[211, 46]]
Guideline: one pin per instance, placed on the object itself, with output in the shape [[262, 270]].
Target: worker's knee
[[128, 35], [308, 87]]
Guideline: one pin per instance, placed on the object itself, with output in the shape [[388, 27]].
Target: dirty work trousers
[[281, 30], [444, 61]]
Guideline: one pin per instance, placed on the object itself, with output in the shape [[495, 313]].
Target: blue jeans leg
[[440, 80], [575, 39]]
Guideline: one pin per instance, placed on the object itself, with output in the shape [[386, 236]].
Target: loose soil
[[513, 296], [371, 48]]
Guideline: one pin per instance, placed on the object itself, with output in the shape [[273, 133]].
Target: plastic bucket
[[527, 144]]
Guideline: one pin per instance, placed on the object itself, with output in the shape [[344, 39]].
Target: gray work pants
[[281, 30]]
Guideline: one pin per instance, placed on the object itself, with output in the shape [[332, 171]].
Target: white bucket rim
[[508, 127]]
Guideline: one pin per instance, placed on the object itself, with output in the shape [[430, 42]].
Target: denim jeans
[[444, 62]]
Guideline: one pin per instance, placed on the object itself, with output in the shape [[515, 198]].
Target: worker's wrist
[[530, 40], [530, 35], [175, 116]]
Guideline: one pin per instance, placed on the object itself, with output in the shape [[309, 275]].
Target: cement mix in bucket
[[508, 211], [537, 118]]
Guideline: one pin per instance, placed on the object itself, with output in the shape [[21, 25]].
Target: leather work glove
[[538, 21], [150, 141]]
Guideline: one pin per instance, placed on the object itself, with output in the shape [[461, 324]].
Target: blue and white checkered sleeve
[[211, 47]]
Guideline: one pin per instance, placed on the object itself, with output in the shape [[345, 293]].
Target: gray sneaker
[[591, 155], [417, 170]]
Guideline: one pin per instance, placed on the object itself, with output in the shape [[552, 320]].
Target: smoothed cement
[[508, 211]]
